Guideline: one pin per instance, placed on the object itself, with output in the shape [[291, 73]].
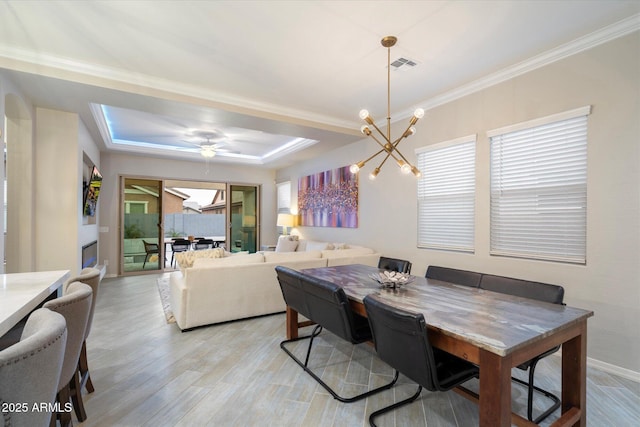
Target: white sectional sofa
[[212, 290]]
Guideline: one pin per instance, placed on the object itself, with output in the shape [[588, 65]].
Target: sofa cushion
[[231, 260], [287, 244], [291, 256], [343, 253], [312, 245]]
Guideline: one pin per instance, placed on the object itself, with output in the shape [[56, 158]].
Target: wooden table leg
[[574, 375], [291, 323], [495, 390]]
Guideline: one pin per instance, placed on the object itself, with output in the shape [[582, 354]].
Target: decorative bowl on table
[[392, 279]]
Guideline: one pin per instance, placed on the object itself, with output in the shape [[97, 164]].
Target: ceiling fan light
[[207, 151]]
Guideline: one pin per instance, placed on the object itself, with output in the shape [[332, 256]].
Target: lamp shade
[[284, 220]]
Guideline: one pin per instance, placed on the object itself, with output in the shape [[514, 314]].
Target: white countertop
[[20, 293]]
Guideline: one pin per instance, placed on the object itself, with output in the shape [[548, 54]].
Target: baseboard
[[609, 368], [614, 369]]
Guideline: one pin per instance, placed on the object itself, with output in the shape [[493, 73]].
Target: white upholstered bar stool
[[90, 276], [30, 370], [74, 306]]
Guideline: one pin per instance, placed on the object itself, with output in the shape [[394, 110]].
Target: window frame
[[526, 207], [464, 198]]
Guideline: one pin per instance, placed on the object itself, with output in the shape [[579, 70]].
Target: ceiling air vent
[[403, 64]]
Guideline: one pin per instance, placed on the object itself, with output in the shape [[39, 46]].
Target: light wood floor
[[147, 373]]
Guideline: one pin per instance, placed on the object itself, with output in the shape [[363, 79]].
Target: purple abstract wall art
[[329, 199]]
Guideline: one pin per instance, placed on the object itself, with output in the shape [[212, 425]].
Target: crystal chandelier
[[389, 147]]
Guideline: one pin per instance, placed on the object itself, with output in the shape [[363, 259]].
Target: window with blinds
[[446, 195], [539, 188], [283, 197]]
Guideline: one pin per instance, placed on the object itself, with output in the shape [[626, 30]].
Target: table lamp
[[284, 221]]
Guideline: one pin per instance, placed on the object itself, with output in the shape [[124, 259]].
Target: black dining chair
[[179, 245], [542, 292], [394, 264], [452, 275], [401, 340], [150, 249], [325, 304], [204, 244]]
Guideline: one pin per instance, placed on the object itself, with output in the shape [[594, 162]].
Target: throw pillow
[[287, 244], [331, 254], [316, 246]]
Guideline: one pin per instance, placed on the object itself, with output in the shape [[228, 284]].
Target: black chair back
[[401, 341], [291, 288], [394, 264], [204, 244], [180, 245], [151, 248], [451, 275], [324, 303], [523, 288], [541, 292]]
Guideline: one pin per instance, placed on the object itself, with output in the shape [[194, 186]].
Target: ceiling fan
[[211, 142]]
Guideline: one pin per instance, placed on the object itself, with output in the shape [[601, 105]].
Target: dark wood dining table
[[493, 330]]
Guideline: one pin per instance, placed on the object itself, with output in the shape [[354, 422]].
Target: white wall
[[20, 178], [115, 165], [44, 218], [57, 183], [606, 77]]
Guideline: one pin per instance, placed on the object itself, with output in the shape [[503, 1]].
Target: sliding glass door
[[142, 238], [243, 218], [154, 212]]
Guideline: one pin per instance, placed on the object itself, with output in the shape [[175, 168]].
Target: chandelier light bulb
[[374, 173], [354, 168], [383, 139], [416, 172]]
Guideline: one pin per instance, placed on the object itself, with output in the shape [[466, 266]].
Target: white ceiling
[[272, 74]]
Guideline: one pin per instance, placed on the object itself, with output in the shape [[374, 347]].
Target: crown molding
[[118, 79], [604, 35], [58, 67]]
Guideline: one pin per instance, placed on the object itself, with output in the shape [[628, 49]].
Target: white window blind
[[446, 195], [539, 188], [283, 195]]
